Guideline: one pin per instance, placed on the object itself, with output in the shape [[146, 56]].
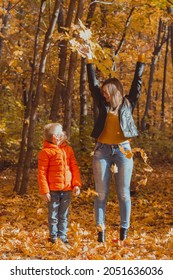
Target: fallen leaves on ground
[[24, 229]]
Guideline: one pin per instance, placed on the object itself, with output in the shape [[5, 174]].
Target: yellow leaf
[[143, 182], [18, 53], [19, 70], [91, 192], [127, 153], [13, 63], [142, 153], [114, 168], [122, 149], [40, 211]]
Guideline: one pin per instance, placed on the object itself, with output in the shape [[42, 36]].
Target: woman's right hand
[[145, 48], [85, 51]]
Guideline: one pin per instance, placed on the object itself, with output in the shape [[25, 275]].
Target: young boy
[[58, 177]]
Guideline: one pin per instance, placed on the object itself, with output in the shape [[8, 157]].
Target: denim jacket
[[125, 112]]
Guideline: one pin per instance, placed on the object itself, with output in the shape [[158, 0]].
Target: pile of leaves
[[24, 229]]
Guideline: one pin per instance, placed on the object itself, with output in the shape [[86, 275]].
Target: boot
[[101, 236], [123, 233]]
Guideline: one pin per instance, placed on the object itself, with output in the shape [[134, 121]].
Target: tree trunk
[[171, 42], [164, 83], [155, 121], [70, 82], [32, 121], [5, 19], [83, 105], [28, 102], [61, 78], [154, 59], [82, 90], [138, 116]]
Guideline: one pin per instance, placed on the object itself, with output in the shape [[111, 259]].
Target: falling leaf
[[40, 211], [114, 168], [142, 182], [90, 192], [142, 153], [127, 153]]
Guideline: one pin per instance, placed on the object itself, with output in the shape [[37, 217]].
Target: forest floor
[[24, 229]]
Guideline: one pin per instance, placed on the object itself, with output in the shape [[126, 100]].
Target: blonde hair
[[115, 90], [52, 129]]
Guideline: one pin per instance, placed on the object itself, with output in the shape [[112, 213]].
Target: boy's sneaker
[[64, 240], [52, 240]]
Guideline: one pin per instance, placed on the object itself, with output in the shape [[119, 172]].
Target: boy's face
[[59, 138]]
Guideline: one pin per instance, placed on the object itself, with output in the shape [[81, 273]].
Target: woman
[[112, 130]]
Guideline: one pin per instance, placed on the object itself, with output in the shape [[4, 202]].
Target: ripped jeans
[[104, 156]]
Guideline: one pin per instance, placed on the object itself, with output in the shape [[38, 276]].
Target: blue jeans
[[104, 156], [58, 209]]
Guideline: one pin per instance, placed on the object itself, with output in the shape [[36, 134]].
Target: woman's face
[[105, 94]]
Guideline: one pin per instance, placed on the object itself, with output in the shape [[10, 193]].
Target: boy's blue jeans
[[58, 209], [104, 156]]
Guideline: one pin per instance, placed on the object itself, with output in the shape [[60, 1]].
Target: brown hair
[[115, 89]]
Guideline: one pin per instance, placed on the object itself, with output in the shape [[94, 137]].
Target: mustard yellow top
[[112, 133]]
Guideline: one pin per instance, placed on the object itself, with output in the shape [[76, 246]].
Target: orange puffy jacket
[[57, 168]]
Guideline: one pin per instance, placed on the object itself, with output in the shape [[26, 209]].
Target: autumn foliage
[[24, 228], [43, 79]]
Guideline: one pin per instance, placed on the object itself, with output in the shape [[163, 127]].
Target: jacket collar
[[47, 144]]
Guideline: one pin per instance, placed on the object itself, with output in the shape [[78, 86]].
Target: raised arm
[[92, 78], [135, 89]]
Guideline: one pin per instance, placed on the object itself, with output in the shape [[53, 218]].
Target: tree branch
[[125, 31], [12, 7], [100, 2], [90, 12], [170, 2]]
